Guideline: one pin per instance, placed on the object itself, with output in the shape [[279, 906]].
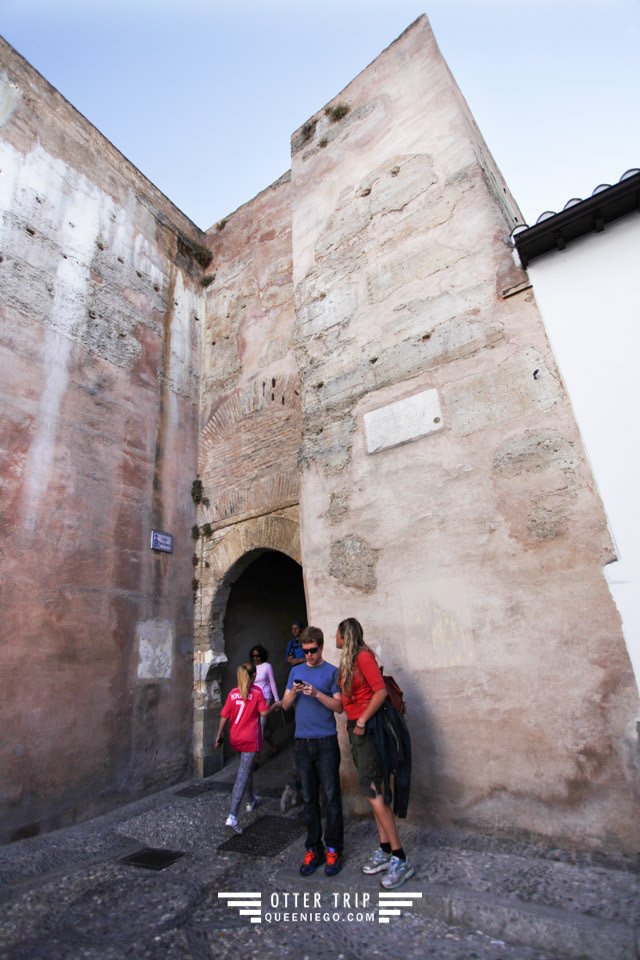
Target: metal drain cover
[[266, 836], [152, 858]]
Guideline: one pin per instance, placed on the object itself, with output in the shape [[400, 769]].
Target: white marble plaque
[[403, 420]]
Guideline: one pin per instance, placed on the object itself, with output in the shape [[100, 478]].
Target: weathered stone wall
[[100, 319], [251, 407], [446, 500], [367, 388], [250, 425]]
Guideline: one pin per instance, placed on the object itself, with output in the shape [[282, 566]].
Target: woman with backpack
[[363, 694], [244, 708]]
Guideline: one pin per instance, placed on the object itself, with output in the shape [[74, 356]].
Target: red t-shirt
[[244, 719], [367, 679]]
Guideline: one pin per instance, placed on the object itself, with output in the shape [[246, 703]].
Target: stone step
[[519, 893], [482, 896], [558, 931]]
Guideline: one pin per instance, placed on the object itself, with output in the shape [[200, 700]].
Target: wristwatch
[[361, 725]]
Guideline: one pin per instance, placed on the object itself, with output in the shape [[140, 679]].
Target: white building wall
[[589, 296]]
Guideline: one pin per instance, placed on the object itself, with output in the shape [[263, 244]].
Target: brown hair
[[312, 635]]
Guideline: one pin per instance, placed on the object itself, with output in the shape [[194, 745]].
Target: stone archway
[[263, 602], [225, 556]]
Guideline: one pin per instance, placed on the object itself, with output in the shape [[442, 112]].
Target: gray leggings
[[244, 781]]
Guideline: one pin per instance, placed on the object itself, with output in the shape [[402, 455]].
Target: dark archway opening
[[263, 603]]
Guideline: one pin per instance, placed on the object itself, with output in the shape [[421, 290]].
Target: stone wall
[[250, 426], [100, 313], [446, 500], [251, 407], [362, 381]]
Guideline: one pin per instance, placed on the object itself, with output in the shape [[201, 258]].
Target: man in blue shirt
[[313, 688], [294, 654]]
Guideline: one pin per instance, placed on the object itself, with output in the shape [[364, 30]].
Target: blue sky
[[203, 95]]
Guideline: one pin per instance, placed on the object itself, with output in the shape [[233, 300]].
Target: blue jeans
[[317, 761]]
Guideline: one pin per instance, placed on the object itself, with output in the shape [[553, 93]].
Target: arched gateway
[[252, 581]]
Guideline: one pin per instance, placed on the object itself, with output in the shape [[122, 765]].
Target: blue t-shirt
[[313, 719], [294, 649]]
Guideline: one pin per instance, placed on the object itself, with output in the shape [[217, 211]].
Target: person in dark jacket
[[393, 741], [374, 737]]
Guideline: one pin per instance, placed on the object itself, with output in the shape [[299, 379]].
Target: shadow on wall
[[427, 760], [263, 603], [427, 757]]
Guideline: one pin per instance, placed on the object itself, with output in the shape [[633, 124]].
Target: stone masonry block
[[519, 386], [329, 446], [533, 451], [353, 563], [327, 309]]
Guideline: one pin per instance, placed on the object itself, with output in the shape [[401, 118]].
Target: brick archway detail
[[255, 397], [270, 532]]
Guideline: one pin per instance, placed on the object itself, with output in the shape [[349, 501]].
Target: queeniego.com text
[[312, 912]]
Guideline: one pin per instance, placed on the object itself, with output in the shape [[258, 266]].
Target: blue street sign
[[161, 541]]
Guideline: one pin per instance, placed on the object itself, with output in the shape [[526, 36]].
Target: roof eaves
[[579, 217]]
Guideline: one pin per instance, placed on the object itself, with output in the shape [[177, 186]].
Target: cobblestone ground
[[67, 895]]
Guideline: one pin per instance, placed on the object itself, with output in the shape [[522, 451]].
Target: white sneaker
[[377, 862], [232, 823], [250, 807], [397, 872]]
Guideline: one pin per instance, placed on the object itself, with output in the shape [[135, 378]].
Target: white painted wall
[[589, 296]]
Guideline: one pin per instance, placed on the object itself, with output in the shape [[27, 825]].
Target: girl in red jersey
[[363, 693], [243, 708]]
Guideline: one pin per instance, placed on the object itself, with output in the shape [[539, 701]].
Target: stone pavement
[[67, 895]]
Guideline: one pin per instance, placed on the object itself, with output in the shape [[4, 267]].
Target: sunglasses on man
[[309, 650]]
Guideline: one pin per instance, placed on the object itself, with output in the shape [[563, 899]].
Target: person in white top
[[267, 683]]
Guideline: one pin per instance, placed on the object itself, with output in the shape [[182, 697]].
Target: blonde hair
[[246, 673], [351, 632]]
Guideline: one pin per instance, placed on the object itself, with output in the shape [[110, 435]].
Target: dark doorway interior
[[264, 601]]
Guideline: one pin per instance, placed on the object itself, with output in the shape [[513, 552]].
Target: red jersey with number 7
[[244, 719]]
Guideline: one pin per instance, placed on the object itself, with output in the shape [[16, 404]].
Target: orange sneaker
[[311, 861], [334, 862]]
